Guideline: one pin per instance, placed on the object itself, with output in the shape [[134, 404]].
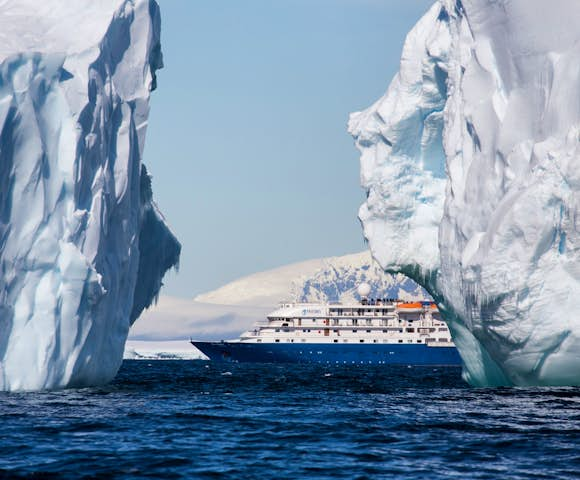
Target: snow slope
[[83, 247], [471, 164], [328, 279]]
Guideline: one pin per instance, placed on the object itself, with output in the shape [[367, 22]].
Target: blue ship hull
[[388, 354]]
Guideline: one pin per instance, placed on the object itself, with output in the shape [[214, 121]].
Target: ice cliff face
[[82, 246], [471, 162]]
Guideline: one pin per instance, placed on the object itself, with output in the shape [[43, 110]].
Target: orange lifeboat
[[411, 305]]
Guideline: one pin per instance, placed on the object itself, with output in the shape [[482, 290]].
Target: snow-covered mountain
[[83, 247], [228, 311], [471, 164], [328, 279]]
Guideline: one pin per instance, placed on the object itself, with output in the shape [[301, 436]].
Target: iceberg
[[83, 247], [471, 164]]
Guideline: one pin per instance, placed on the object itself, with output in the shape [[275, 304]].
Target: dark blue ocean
[[195, 419]]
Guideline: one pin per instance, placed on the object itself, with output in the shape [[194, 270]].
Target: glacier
[[471, 164], [83, 246]]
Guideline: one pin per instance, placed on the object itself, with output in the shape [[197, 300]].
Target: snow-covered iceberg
[[471, 162], [83, 247]]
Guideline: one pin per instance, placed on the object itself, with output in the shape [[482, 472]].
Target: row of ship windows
[[428, 340], [354, 321], [409, 330]]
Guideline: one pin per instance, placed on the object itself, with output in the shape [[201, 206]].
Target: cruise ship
[[373, 331]]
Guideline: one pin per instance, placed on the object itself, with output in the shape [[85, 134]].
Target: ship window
[[354, 331], [292, 340], [308, 330], [374, 341], [277, 340], [443, 329], [400, 341], [335, 331], [345, 340], [259, 340], [385, 331], [369, 321], [442, 339], [335, 341], [361, 340], [304, 330], [400, 330], [368, 331], [277, 330], [411, 330], [284, 324], [419, 341]]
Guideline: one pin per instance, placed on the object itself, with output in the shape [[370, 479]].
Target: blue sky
[[247, 142]]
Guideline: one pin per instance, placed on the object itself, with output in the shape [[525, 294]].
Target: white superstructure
[[371, 321]]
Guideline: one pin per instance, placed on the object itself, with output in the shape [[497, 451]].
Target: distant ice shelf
[[83, 247], [471, 163], [161, 350]]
